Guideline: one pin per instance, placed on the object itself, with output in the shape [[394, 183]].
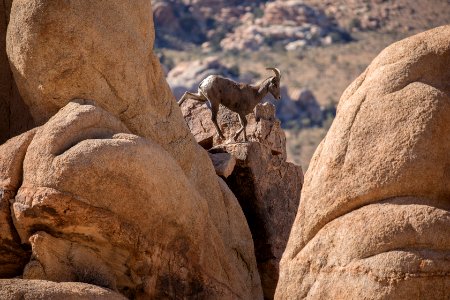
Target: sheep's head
[[274, 85]]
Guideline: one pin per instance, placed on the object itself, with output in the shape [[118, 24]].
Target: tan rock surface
[[103, 206], [13, 257], [14, 289], [15, 116], [353, 237], [102, 50]]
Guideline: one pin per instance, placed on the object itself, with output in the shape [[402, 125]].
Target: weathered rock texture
[[102, 50], [15, 116], [13, 256], [267, 187], [12, 289], [116, 192], [374, 218], [103, 206], [262, 126]]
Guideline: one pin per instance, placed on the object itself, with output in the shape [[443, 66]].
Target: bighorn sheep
[[238, 97]]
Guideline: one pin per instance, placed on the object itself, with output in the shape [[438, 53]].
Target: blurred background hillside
[[320, 46]]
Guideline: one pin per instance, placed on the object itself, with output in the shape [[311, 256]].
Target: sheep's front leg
[[214, 110], [243, 122]]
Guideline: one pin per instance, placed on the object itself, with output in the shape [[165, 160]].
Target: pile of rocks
[[244, 25], [289, 24], [182, 21], [385, 16]]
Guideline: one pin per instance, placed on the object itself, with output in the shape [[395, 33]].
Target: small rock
[[223, 163]]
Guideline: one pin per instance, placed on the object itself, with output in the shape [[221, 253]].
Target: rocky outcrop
[[267, 187], [374, 218], [262, 126], [186, 22], [79, 52], [142, 229], [13, 256], [12, 289], [15, 116], [385, 16], [291, 24], [115, 191]]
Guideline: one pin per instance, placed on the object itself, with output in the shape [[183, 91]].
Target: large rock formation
[[375, 212], [13, 256], [15, 117], [142, 229], [267, 187], [60, 51], [115, 191]]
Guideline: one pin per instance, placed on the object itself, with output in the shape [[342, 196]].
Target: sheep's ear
[[261, 89]]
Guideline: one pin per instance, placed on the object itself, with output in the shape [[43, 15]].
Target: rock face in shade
[[13, 256], [267, 187], [15, 116], [12, 289], [103, 206], [374, 218]]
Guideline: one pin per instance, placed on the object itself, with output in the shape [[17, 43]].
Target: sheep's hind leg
[[193, 96], [243, 122]]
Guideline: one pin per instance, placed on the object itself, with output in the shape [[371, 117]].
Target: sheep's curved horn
[[276, 71]]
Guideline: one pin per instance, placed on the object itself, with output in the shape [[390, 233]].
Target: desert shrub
[[340, 37], [210, 23], [354, 23], [217, 38], [258, 12], [192, 29], [235, 71]]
